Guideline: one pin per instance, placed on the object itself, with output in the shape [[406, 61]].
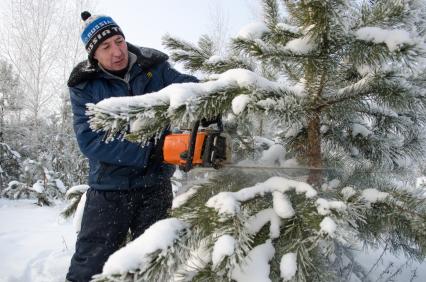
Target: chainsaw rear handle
[[191, 149]]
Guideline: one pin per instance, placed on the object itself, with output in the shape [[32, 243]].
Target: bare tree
[[218, 27], [72, 51], [31, 44], [41, 40]]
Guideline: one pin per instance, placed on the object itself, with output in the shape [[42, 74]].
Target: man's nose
[[116, 51]]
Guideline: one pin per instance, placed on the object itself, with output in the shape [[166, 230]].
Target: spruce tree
[[342, 83]]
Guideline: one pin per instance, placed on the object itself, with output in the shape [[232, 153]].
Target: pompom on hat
[[97, 28]]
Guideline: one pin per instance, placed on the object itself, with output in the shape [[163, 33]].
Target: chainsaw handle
[[191, 149], [218, 120]]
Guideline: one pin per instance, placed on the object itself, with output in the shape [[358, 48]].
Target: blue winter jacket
[[120, 165]]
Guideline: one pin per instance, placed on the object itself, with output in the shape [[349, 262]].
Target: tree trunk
[[314, 151]]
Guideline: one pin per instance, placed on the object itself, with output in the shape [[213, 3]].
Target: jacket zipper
[[127, 81]]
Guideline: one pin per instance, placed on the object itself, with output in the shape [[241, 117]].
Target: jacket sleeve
[[117, 152], [170, 75]]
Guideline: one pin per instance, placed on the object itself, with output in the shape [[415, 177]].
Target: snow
[[393, 38], [333, 184], [293, 163], [255, 267], [302, 45], [78, 188], [261, 141], [228, 203], [359, 129], [324, 206], [36, 243], [78, 215], [274, 155], [14, 153], [421, 182], [252, 31], [267, 103], [287, 27], [214, 59], [13, 183], [328, 226], [392, 263], [224, 203], [348, 192], [176, 95], [288, 266], [246, 78], [300, 88], [293, 130], [60, 185], [361, 84], [38, 186], [364, 69], [372, 195], [257, 221], [239, 103], [282, 205], [224, 246], [134, 255], [181, 199]]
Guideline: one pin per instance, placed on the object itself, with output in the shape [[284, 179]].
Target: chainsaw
[[206, 147]]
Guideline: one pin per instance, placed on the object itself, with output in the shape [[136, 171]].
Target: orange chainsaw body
[[177, 144]]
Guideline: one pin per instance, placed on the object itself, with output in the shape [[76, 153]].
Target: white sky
[[145, 22]]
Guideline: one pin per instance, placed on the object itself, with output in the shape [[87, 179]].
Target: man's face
[[112, 54]]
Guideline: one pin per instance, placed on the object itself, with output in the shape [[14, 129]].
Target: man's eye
[[105, 47]]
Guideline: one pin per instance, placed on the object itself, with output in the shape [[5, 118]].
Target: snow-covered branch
[[144, 116]]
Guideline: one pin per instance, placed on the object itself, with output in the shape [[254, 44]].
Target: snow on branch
[[395, 39], [256, 265], [224, 246], [253, 31], [228, 203], [136, 255], [288, 266], [147, 114]]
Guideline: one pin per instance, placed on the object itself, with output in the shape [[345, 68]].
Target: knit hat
[[97, 28]]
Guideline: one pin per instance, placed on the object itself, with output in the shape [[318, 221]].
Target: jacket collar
[[146, 58]]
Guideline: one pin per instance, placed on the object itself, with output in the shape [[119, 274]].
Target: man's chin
[[118, 66]]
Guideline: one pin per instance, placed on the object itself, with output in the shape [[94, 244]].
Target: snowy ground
[[36, 245]]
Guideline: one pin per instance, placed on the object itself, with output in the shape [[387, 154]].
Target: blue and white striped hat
[[96, 30]]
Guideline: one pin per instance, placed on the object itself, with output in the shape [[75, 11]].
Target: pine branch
[[382, 13], [137, 119], [190, 56], [225, 64], [71, 208], [270, 8], [198, 58]]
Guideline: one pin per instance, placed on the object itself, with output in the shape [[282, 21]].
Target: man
[[129, 185]]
